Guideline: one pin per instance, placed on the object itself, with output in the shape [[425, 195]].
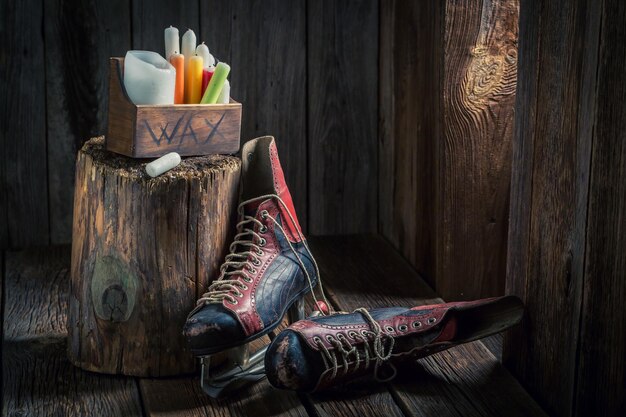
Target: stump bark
[[143, 249]]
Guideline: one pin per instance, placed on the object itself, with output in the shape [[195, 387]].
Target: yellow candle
[[193, 81]]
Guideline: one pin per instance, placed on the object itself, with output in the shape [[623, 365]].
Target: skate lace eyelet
[[264, 214], [256, 262], [262, 242], [233, 302], [390, 329], [244, 287], [249, 280], [263, 229], [416, 324], [251, 270], [403, 327], [432, 320], [260, 252], [316, 339], [330, 338], [352, 334]]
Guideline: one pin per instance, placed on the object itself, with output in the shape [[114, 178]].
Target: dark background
[[418, 120]]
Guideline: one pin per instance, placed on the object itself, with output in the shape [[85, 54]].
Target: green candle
[[214, 88]]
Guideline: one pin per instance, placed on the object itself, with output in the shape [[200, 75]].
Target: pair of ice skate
[[269, 272]]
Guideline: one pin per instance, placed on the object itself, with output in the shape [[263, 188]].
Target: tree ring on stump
[[113, 289]]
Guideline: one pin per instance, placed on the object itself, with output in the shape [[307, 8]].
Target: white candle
[[188, 45], [224, 97], [203, 51], [149, 78], [172, 43], [163, 164]]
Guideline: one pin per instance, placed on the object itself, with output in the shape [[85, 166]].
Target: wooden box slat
[[146, 131]]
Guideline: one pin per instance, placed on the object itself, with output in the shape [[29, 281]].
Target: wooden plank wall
[[305, 71], [448, 76], [434, 181], [568, 216]]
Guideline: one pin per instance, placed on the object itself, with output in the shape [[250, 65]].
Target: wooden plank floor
[[365, 271]]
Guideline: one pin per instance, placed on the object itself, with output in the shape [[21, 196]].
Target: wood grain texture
[[342, 44], [474, 156], [37, 377], [494, 344], [265, 44], [143, 249], [408, 133], [551, 166], [464, 381], [151, 17], [79, 38], [145, 131], [24, 179], [601, 376], [184, 397], [448, 76]]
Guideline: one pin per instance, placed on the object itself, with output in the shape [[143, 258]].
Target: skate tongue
[[250, 209]]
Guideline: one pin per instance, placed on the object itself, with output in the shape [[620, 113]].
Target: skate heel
[[296, 311]]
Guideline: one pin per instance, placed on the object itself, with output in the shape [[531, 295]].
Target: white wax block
[[224, 97], [207, 59], [172, 42], [149, 78], [163, 164]]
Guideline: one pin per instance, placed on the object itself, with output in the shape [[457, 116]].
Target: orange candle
[[193, 81], [178, 62]]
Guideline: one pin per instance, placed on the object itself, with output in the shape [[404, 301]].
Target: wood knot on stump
[[113, 289], [143, 250]]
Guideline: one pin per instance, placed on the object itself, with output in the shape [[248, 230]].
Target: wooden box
[[146, 131]]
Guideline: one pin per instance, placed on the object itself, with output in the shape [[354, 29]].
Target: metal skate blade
[[239, 369]]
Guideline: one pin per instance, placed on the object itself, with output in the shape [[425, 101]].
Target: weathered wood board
[[566, 242], [342, 72], [37, 377], [265, 43], [448, 77], [76, 95], [23, 172]]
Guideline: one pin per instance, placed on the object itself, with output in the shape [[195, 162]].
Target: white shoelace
[[373, 348], [244, 257]]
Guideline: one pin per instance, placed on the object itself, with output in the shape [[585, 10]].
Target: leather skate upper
[[274, 275], [417, 332], [278, 278]]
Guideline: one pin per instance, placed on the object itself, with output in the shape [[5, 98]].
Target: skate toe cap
[[212, 328], [291, 364]]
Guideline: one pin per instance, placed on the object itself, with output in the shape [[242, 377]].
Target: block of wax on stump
[[163, 164], [143, 250]]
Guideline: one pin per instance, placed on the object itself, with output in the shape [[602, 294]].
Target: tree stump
[[143, 249]]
